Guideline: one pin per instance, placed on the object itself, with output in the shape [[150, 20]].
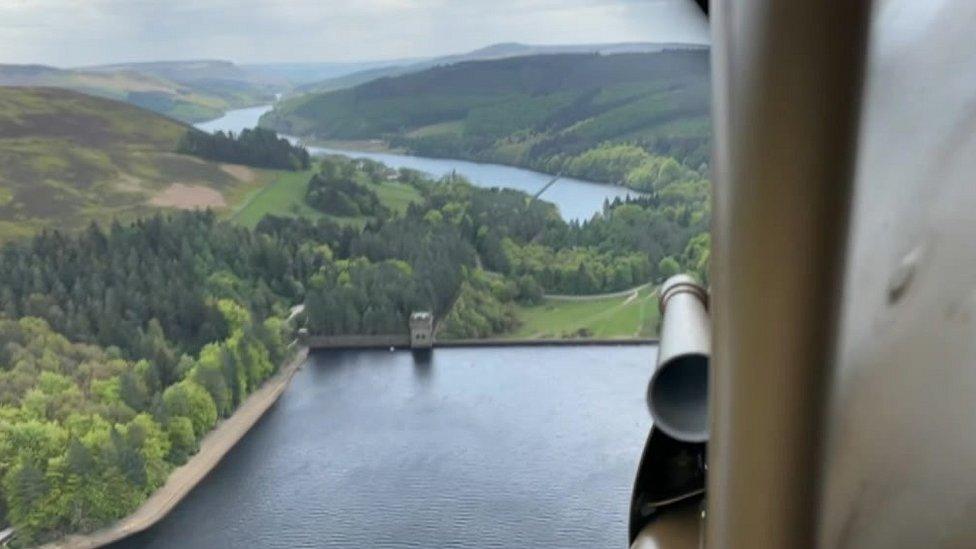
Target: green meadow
[[284, 195], [627, 316]]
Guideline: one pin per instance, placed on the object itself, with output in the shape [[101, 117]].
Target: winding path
[[595, 297]]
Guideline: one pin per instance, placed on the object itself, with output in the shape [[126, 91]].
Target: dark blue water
[[472, 448], [576, 199]]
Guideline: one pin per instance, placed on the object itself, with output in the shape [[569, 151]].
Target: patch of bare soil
[[129, 183], [188, 197], [241, 173]]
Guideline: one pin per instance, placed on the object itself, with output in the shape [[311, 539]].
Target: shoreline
[[382, 146], [402, 342], [356, 145], [222, 438], [183, 479]]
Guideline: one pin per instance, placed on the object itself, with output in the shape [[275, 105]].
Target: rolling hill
[[613, 118], [190, 91], [494, 51], [299, 74], [67, 158]]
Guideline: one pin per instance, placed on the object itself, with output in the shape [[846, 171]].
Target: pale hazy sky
[[80, 32]]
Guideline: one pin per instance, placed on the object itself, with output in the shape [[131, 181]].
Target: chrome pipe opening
[[678, 398], [677, 395]]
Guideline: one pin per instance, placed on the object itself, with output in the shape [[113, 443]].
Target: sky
[[69, 33]]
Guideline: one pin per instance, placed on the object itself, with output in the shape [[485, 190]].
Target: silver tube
[[677, 395], [787, 89]]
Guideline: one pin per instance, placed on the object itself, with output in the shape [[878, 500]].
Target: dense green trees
[[254, 147], [144, 287], [343, 197], [435, 255], [625, 164], [486, 249], [577, 270], [83, 437], [169, 327], [484, 307]]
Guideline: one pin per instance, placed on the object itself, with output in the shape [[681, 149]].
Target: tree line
[[256, 147]]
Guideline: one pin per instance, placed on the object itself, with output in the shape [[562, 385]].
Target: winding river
[[575, 198]]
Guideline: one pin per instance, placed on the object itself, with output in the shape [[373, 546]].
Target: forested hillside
[[638, 119], [472, 254], [67, 158], [119, 350], [494, 51]]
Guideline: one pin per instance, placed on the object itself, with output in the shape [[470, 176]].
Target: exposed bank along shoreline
[[184, 478], [224, 436]]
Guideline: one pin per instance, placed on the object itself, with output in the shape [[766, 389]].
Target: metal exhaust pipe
[[677, 395], [671, 474]]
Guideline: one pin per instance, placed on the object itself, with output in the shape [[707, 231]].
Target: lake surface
[[471, 448], [576, 199]]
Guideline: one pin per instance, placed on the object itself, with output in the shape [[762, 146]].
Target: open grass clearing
[[620, 316], [283, 194]]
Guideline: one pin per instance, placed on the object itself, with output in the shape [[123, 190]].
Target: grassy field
[[68, 158], [284, 195], [396, 196], [614, 317]]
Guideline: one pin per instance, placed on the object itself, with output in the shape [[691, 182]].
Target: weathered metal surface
[[671, 475], [681, 530], [901, 448], [672, 468], [787, 87], [677, 395]]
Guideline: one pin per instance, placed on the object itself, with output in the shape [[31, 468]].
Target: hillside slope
[[67, 158], [612, 118], [494, 51], [187, 91], [300, 74]]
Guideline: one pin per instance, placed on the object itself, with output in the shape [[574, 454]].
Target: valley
[[638, 120], [156, 275]]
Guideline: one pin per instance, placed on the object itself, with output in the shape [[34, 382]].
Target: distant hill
[[187, 91], [230, 83], [495, 51], [298, 74], [67, 158], [555, 113]]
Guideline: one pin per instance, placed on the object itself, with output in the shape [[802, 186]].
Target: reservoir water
[[470, 448], [576, 199]]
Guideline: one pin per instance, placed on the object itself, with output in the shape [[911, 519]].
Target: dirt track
[[189, 197]]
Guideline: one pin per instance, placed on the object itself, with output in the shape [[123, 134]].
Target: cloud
[[79, 32]]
